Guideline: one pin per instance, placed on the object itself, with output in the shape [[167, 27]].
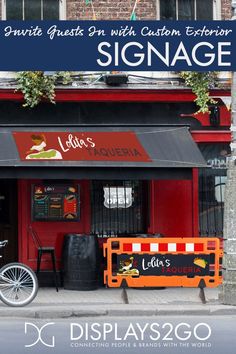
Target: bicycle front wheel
[[19, 284]]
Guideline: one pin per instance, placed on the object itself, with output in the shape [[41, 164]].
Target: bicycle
[[18, 283]]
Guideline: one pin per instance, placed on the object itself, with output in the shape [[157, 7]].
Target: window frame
[[210, 224], [216, 10], [62, 10]]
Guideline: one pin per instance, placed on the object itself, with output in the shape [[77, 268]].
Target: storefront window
[[186, 9], [211, 189], [118, 207], [32, 9]]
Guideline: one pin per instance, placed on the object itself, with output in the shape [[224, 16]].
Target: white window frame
[[216, 9], [62, 9]]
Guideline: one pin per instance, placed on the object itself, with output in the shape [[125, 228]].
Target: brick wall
[[120, 9], [226, 9], [110, 9]]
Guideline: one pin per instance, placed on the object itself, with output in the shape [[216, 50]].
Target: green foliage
[[64, 77], [200, 83], [35, 86]]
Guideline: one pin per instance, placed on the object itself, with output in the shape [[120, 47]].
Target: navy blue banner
[[118, 45]]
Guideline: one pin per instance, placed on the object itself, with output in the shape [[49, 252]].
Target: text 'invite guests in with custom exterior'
[[118, 45]]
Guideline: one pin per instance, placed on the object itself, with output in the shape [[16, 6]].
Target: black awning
[[168, 149]]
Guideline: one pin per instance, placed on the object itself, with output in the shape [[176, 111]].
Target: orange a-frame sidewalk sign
[[158, 262]]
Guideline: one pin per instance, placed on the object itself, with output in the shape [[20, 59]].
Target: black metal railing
[[118, 207], [211, 201]]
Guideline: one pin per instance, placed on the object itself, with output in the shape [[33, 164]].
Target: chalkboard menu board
[[55, 203]]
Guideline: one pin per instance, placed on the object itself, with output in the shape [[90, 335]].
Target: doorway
[[8, 220]]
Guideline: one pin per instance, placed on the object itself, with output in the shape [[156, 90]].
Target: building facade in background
[[115, 10], [118, 192]]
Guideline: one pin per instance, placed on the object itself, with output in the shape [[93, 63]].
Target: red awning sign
[[80, 146]]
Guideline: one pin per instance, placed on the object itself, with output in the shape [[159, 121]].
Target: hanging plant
[[201, 83], [35, 85]]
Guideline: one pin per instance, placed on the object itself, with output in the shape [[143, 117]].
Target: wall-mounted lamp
[[214, 116]]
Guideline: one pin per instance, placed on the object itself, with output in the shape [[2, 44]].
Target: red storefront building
[[131, 162]]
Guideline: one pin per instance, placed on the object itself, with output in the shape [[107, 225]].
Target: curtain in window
[[168, 10], [32, 10], [204, 10], [51, 9], [186, 9], [14, 10]]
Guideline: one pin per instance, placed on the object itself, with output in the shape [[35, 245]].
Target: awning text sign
[[118, 45], [80, 146]]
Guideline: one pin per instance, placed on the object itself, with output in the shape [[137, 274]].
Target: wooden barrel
[[80, 264]]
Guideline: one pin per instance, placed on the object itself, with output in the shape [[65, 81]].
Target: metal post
[[233, 93], [228, 289]]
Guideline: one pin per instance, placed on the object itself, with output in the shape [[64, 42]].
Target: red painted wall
[[50, 233], [172, 213], [172, 208]]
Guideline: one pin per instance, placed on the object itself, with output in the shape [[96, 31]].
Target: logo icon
[[39, 331], [37, 150]]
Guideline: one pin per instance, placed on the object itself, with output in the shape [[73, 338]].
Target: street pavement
[[120, 302]]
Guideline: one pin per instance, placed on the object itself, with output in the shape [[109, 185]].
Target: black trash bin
[[80, 262]]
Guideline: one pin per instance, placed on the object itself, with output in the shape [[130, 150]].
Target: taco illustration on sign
[[200, 262], [37, 151]]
